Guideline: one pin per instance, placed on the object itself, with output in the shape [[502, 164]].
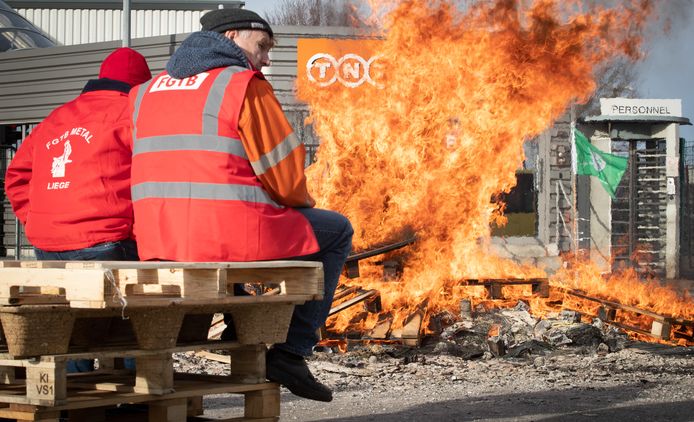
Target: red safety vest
[[195, 194]]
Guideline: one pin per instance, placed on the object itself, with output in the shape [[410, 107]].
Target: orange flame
[[459, 90], [627, 287]]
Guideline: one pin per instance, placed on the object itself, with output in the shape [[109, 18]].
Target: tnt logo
[[351, 70], [167, 83]]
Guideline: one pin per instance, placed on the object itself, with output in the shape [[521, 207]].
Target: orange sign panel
[[326, 62]]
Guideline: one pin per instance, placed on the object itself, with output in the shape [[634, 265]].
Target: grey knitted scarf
[[202, 51]]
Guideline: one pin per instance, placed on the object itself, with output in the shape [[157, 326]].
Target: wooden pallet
[[46, 389], [661, 325], [141, 292], [539, 286], [113, 284], [47, 383]]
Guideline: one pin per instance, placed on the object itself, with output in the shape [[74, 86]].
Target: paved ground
[[644, 382]]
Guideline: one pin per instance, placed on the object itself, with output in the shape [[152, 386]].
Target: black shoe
[[291, 371]]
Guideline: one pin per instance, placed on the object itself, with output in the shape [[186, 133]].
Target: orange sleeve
[[275, 152]]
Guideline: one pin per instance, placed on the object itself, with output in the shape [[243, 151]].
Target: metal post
[[18, 239], [17, 224], [633, 200], [126, 23]]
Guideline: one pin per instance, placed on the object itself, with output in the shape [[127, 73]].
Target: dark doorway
[[521, 207]]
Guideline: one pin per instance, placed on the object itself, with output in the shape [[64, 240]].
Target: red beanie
[[125, 65]]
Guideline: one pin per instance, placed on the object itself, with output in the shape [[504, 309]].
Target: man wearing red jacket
[[218, 175], [69, 182]]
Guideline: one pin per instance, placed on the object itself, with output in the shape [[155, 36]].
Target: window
[[17, 33], [521, 201]]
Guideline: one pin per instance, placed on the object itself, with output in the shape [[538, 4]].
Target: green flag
[[591, 161]]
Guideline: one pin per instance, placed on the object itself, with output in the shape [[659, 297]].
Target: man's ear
[[231, 34]]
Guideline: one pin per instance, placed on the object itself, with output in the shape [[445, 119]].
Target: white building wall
[[81, 26]]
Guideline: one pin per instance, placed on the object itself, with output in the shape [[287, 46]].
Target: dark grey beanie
[[222, 20]]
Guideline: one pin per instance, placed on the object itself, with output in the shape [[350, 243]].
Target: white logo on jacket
[[59, 163], [167, 83]]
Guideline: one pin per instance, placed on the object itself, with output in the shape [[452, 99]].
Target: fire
[[624, 286], [422, 151]]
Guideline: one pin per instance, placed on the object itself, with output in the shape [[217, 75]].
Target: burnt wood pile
[[413, 332]]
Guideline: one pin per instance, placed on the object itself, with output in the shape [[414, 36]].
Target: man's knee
[[346, 226], [345, 245]]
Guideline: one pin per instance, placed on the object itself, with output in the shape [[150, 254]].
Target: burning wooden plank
[[362, 296], [466, 308], [412, 327], [392, 270], [661, 326], [382, 328], [661, 329], [352, 262], [352, 269], [345, 291]]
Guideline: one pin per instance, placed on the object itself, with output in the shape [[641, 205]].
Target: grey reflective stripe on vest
[[138, 102], [213, 104], [279, 153], [211, 143], [214, 191]]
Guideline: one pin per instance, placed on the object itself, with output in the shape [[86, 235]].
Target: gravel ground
[[643, 382]]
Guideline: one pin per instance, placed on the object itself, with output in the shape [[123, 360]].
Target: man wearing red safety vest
[[218, 175]]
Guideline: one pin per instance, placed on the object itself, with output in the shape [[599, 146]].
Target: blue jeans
[[334, 234], [122, 250]]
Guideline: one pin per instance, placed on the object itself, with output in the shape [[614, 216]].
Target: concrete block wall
[[560, 172], [528, 251]]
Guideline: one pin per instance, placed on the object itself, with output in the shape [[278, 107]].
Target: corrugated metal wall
[[81, 26], [34, 82]]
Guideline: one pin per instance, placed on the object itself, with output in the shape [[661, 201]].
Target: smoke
[[668, 66], [675, 13]]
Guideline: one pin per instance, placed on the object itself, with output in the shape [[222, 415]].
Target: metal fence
[[14, 242], [686, 209]]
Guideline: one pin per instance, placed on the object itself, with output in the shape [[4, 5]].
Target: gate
[[14, 243], [639, 219], [686, 209]]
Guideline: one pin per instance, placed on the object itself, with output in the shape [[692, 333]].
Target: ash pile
[[516, 333]]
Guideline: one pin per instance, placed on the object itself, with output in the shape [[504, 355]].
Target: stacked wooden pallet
[[53, 312]]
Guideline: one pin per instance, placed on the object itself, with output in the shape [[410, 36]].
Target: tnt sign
[[350, 63]]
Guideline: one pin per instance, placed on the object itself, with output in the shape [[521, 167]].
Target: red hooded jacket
[[69, 182]]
